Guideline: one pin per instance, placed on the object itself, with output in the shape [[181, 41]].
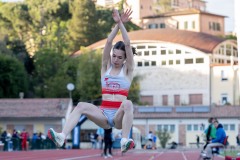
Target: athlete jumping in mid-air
[[116, 77]]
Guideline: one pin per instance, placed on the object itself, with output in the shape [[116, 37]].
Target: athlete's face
[[118, 57]]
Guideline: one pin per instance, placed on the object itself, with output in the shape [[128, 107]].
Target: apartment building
[[182, 15]]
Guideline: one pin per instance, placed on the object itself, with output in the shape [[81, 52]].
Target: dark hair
[[210, 120], [121, 46]]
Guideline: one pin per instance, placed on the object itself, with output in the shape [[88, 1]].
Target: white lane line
[[82, 157], [184, 157]]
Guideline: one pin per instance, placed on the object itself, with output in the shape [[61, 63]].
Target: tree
[[164, 136], [82, 28], [13, 77], [48, 64], [88, 83], [134, 92]]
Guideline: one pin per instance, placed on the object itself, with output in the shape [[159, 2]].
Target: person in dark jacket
[[210, 132], [108, 143], [219, 140]]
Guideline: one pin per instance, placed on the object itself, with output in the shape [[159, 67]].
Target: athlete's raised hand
[[116, 16], [125, 16]]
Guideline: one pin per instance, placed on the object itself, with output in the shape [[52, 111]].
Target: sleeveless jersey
[[115, 84]]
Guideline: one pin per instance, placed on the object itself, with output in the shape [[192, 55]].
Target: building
[[189, 19], [34, 115], [175, 65], [182, 15]]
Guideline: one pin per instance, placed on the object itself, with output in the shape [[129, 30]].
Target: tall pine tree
[[83, 28]]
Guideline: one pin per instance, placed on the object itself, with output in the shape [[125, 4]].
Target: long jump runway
[[90, 154]]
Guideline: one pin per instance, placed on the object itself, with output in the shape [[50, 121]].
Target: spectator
[[108, 143], [198, 141], [100, 133], [238, 139], [220, 136], [210, 132], [15, 140], [34, 141], [93, 140], [3, 139], [24, 136]]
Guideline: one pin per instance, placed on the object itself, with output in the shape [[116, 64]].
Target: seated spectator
[[219, 140]]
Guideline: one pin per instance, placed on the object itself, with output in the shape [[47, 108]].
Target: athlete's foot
[[126, 144], [57, 138]]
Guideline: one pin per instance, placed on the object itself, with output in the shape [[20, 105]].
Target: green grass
[[232, 153]]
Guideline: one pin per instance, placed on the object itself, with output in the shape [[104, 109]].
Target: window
[[225, 126], [224, 75], [209, 25], [189, 127], [152, 26], [195, 99], [199, 60], [170, 62], [139, 64], [146, 63], [164, 63], [224, 98], [178, 62], [140, 47], [193, 24], [202, 127], [165, 100], [152, 46], [177, 100], [147, 100], [185, 25], [139, 53], [232, 127], [195, 127], [178, 51], [162, 25], [188, 61], [167, 127], [172, 128], [170, 52], [175, 3], [218, 27], [146, 53], [163, 52], [153, 63], [154, 52]]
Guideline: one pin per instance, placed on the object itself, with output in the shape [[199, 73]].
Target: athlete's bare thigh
[[95, 114]]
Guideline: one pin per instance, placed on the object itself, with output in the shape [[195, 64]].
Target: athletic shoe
[[203, 154], [126, 144], [105, 156], [109, 155], [57, 138]]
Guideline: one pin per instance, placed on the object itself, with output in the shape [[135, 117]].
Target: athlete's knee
[[80, 106], [128, 105]]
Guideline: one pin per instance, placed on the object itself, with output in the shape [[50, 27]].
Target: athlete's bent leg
[[123, 120], [92, 112]]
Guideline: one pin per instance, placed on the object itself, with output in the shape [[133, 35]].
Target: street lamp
[[70, 87]]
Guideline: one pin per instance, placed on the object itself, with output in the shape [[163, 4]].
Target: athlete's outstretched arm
[[106, 58], [129, 55]]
